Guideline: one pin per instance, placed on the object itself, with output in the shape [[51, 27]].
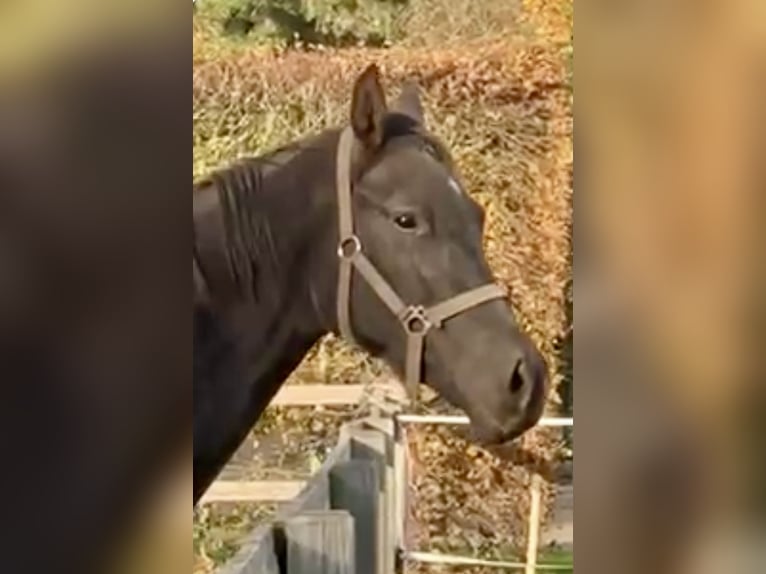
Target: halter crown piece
[[416, 320]]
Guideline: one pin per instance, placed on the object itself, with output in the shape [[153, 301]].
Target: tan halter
[[416, 320]]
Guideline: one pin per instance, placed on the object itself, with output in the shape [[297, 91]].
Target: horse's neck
[[245, 349], [236, 375]]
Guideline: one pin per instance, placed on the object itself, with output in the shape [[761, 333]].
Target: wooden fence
[[349, 517], [297, 396], [342, 521]]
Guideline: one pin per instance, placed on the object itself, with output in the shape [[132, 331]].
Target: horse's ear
[[409, 104], [368, 109]]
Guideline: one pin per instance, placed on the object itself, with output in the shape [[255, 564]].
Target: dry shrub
[[504, 109], [464, 500], [552, 19], [436, 22]]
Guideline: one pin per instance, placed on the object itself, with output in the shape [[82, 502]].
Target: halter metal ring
[[349, 246], [415, 320]]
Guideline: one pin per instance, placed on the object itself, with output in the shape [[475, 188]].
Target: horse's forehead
[[417, 175]]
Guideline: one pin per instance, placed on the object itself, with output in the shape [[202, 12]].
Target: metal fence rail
[[400, 457], [458, 420], [451, 560]]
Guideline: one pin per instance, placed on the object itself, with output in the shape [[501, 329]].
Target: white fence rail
[[530, 566]]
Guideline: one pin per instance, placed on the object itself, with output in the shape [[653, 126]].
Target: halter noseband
[[416, 320]]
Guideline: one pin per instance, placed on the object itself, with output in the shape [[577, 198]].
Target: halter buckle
[[415, 320], [349, 247]]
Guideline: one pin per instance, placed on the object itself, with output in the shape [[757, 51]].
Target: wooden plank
[[374, 441], [354, 487], [253, 491], [329, 395], [400, 483], [318, 395], [283, 491], [320, 543], [369, 444], [316, 494], [257, 555]]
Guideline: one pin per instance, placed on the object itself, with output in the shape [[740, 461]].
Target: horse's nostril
[[517, 378]]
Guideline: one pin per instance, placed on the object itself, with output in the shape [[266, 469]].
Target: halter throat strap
[[416, 320]]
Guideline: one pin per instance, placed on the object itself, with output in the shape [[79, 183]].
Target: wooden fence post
[[316, 493], [258, 555], [354, 487], [341, 521], [534, 524], [320, 542], [372, 444]]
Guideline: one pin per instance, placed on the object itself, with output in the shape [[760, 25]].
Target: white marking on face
[[455, 186]]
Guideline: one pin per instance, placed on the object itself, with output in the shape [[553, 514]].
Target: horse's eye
[[431, 150], [406, 221]]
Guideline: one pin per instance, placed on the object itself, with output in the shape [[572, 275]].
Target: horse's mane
[[240, 189], [249, 171]]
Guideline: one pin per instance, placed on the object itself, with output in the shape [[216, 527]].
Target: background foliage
[[310, 22]]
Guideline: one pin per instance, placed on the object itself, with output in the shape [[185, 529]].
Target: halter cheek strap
[[416, 320]]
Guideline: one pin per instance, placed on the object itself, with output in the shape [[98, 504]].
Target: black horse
[[331, 234]]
